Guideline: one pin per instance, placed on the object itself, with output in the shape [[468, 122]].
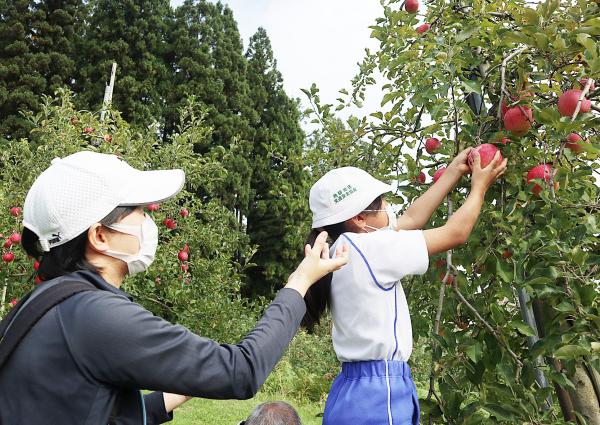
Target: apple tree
[[196, 277], [511, 320]]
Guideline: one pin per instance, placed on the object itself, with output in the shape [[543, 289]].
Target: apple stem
[[503, 77]]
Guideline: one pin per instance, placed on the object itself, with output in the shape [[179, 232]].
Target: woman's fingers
[[494, 163], [475, 160], [325, 252]]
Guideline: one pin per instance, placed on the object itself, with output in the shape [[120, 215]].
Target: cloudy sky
[[314, 41]]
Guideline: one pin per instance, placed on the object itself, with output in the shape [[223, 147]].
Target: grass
[[201, 411]]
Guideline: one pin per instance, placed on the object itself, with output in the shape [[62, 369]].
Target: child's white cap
[[343, 193], [81, 189]]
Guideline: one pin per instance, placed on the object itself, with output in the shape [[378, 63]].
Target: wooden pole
[[108, 92]]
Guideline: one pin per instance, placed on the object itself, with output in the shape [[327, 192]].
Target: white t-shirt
[[370, 314]]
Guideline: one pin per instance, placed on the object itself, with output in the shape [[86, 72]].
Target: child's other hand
[[483, 178], [316, 264], [459, 163]]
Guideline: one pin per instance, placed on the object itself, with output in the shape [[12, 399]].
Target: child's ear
[[357, 223]]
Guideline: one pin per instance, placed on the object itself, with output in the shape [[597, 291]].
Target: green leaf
[[474, 352], [590, 45], [505, 270], [463, 35], [532, 17], [522, 327], [471, 86], [571, 352]]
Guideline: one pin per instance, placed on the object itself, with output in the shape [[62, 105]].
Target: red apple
[[36, 265], [15, 237], [185, 267], [450, 279], [518, 120], [432, 144], [574, 142], [411, 6], [38, 280], [8, 243], [542, 171], [186, 248], [88, 130], [421, 178], [153, 207], [183, 256], [567, 103], [505, 141], [438, 174], [157, 280], [107, 138], [184, 213], [423, 28], [507, 254], [170, 223], [440, 262], [13, 302], [486, 151], [584, 81], [8, 257], [15, 211]]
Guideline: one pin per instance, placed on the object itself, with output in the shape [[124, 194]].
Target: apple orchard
[[510, 322], [506, 328]]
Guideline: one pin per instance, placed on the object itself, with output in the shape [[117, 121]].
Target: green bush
[[204, 298]]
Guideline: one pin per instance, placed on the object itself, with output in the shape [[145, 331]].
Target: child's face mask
[[391, 219]]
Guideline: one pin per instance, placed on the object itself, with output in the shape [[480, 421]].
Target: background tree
[[38, 41], [277, 213], [131, 33]]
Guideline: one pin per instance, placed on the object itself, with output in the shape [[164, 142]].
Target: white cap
[[83, 188], [343, 193]]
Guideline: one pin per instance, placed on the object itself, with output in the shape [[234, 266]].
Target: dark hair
[[318, 296], [273, 413], [69, 257]]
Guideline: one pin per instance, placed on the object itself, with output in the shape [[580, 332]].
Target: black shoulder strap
[[34, 311]]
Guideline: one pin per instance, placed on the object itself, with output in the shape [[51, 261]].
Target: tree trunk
[[585, 399]]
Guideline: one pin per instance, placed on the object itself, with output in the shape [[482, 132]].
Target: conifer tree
[[277, 209]]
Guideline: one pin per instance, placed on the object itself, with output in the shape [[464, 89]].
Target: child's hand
[[459, 163], [316, 264], [483, 178]]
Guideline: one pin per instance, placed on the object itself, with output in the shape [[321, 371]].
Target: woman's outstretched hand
[[316, 264]]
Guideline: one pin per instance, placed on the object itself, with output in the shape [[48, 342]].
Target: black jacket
[[90, 355]]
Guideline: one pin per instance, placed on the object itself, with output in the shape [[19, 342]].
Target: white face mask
[[391, 219], [147, 234]]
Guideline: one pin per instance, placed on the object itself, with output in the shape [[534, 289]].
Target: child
[[372, 333]]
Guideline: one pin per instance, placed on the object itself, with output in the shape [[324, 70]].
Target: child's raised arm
[[418, 214], [459, 226]]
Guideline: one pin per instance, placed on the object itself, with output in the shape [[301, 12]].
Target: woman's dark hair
[[318, 296], [69, 257]]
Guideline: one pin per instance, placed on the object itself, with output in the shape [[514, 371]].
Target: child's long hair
[[318, 296]]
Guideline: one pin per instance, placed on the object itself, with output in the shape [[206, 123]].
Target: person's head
[[85, 213], [345, 199], [273, 413]]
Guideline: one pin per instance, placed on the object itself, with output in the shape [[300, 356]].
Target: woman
[[85, 360]]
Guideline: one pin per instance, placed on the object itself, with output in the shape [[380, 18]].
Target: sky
[[314, 41]]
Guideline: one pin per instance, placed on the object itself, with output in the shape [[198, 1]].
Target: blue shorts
[[364, 393]]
